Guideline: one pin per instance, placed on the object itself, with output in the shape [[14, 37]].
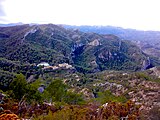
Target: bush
[[19, 86], [73, 98], [57, 90], [107, 96]]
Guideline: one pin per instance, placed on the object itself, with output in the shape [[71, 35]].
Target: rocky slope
[[147, 40]]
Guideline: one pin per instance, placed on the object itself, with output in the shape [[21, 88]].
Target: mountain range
[[87, 52], [148, 41], [73, 68]]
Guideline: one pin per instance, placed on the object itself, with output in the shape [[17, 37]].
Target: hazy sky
[[139, 14]]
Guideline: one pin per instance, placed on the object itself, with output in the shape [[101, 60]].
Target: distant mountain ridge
[[148, 41], [10, 24], [127, 34]]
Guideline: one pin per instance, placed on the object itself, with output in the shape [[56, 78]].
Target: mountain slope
[[22, 48], [147, 40], [88, 52]]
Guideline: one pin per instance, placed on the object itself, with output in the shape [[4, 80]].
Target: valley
[[47, 71]]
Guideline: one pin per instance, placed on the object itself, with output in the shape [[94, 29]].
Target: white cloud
[[140, 14]]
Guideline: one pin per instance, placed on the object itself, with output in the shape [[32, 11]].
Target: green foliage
[[19, 86], [46, 95], [5, 79], [68, 113], [57, 90], [33, 93], [157, 80], [49, 116], [74, 98], [107, 96], [141, 75]]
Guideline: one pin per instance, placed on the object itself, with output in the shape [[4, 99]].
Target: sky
[[136, 14]]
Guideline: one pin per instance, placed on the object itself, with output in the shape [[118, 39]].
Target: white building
[[44, 64]]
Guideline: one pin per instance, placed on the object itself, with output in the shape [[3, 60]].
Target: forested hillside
[[49, 72]]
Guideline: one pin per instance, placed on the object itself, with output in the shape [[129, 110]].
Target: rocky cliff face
[[146, 64]]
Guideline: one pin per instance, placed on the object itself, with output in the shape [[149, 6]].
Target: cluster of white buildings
[[46, 66]]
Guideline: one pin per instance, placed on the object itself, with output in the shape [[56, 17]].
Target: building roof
[[45, 64]]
